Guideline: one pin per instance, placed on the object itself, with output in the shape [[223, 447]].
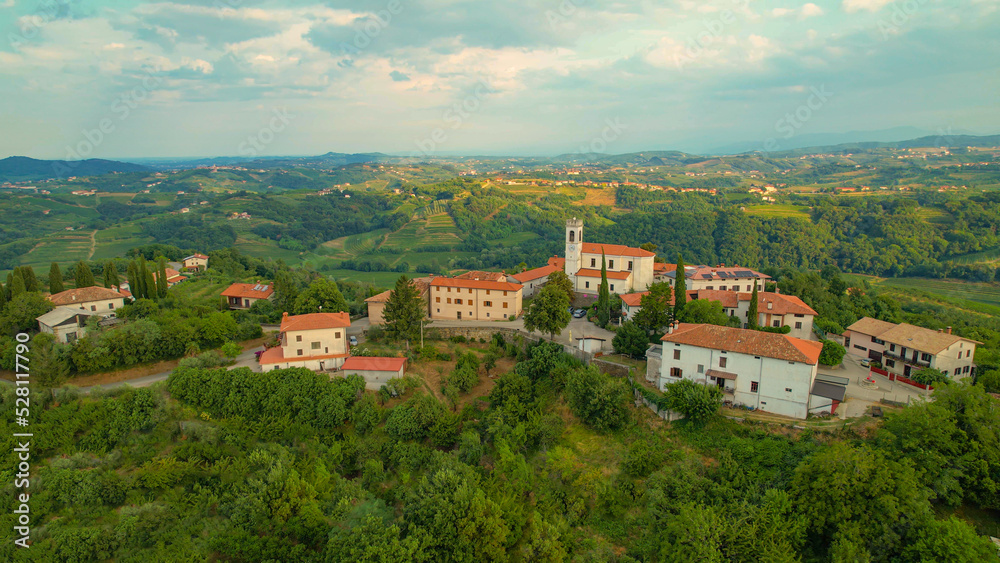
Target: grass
[[984, 257], [382, 280], [434, 230], [62, 248], [975, 292], [783, 211]]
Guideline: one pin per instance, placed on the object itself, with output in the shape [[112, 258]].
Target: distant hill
[[24, 169]]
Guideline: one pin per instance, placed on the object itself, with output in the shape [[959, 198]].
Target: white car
[[353, 340], [866, 362]]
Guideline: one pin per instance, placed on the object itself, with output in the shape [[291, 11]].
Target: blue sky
[[120, 79]]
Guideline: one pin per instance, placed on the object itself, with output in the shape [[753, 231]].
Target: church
[[629, 269]]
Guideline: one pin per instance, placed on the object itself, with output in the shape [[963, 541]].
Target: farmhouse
[[375, 371], [473, 299], [376, 303], [904, 349], [768, 371], [721, 278], [65, 323], [95, 299], [629, 269], [243, 295], [196, 262], [317, 341]]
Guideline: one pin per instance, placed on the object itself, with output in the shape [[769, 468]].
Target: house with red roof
[[243, 295], [196, 262], [474, 299], [317, 341], [628, 268], [375, 371], [768, 371], [94, 299], [173, 277], [376, 303], [534, 279]]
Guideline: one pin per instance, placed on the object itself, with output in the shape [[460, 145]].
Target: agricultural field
[[783, 211], [935, 215], [381, 280], [985, 257], [433, 230], [597, 196], [63, 248], [986, 293]]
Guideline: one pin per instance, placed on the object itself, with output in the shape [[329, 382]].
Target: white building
[[771, 372], [905, 349], [99, 300], [375, 371], [629, 269], [721, 278], [533, 280], [317, 341], [65, 323]]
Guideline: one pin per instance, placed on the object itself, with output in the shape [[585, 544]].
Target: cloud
[[809, 10], [399, 76], [851, 6], [7, 4]]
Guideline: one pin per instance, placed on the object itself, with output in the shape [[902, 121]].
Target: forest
[[554, 464]]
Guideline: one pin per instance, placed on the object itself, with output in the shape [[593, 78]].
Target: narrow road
[[93, 244]]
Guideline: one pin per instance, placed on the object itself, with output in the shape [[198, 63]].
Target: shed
[[590, 344], [827, 393], [375, 371]]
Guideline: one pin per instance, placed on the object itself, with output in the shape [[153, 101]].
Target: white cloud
[[779, 12], [809, 10], [7, 4], [851, 6]]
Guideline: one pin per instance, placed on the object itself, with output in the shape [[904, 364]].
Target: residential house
[[67, 324], [196, 262], [173, 277], [534, 279], [721, 278], [628, 269], [376, 303], [317, 341], [472, 299], [243, 295], [99, 300], [905, 349], [375, 371], [771, 372]]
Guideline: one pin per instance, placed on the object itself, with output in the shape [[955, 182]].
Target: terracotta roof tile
[[558, 262], [313, 321], [276, 356], [250, 290], [588, 273], [615, 250], [745, 341], [907, 335], [364, 363], [84, 295], [475, 284], [536, 273], [478, 275]]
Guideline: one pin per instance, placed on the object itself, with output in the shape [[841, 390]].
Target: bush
[[832, 353], [696, 402], [231, 350]]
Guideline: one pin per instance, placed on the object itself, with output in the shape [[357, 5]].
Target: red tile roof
[[727, 273], [84, 295], [276, 356], [202, 256], [746, 341], [662, 267], [478, 275], [364, 363], [173, 276], [420, 283], [475, 284], [781, 304], [588, 273], [558, 262], [633, 299], [313, 321], [615, 250], [251, 290], [535, 274]]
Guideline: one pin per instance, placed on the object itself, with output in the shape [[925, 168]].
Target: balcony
[[906, 359]]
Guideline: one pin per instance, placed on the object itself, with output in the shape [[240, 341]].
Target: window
[[788, 389], [315, 345], [968, 353], [945, 373], [677, 354], [449, 290], [587, 285], [458, 302], [504, 304], [892, 347], [437, 299], [890, 363], [753, 386], [471, 303], [676, 372], [874, 339], [723, 288], [629, 264], [487, 303], [336, 334], [612, 287], [777, 323], [470, 290], [965, 369], [111, 306], [798, 316], [505, 294], [449, 300], [710, 287], [701, 368], [94, 308], [505, 315], [487, 315], [593, 262], [925, 357], [572, 236], [611, 263], [860, 347], [298, 338], [798, 325], [298, 352], [722, 362], [487, 292], [439, 310]]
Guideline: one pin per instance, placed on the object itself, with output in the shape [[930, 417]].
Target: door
[[873, 355], [459, 315], [906, 371]]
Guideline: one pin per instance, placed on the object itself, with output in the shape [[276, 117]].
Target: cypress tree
[[17, 284], [111, 275], [8, 285], [30, 281], [752, 314], [55, 279], [603, 295], [146, 290], [132, 274], [83, 276], [150, 286], [3, 296], [161, 278], [680, 288]]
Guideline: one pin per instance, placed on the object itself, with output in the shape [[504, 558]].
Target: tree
[[694, 533], [16, 284], [55, 279], [111, 278], [704, 311], [990, 380], [30, 281], [680, 288], [832, 353], [133, 278], [753, 316], [231, 349], [927, 376], [603, 296], [548, 312], [655, 312], [22, 310], [83, 276], [597, 399], [404, 311], [559, 279], [373, 540], [631, 340], [161, 278], [322, 295], [285, 291], [950, 540], [696, 402]]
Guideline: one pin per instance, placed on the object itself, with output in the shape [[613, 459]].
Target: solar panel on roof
[[707, 276], [745, 273]]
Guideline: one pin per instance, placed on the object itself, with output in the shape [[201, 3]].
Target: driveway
[[860, 398], [576, 329]]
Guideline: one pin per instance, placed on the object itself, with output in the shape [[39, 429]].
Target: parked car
[[580, 313], [866, 362], [353, 340]]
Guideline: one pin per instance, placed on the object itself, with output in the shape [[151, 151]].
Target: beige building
[[376, 303], [474, 299], [66, 324], [317, 341], [719, 278], [533, 280], [98, 300], [244, 295], [196, 262], [905, 349], [629, 269]]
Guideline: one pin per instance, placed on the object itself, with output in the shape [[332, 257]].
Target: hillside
[[22, 168]]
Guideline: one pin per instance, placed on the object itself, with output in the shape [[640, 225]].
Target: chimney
[[940, 330], [770, 305], [284, 315], [949, 330], [670, 328]]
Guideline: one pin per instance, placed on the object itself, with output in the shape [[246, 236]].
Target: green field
[[434, 230], [987, 293], [63, 248], [383, 280], [984, 257], [784, 211]]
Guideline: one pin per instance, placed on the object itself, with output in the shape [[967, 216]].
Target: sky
[[126, 79]]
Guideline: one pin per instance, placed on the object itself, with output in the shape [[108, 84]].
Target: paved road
[[860, 398], [246, 359]]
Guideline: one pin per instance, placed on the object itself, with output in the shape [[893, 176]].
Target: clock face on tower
[[571, 248]]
